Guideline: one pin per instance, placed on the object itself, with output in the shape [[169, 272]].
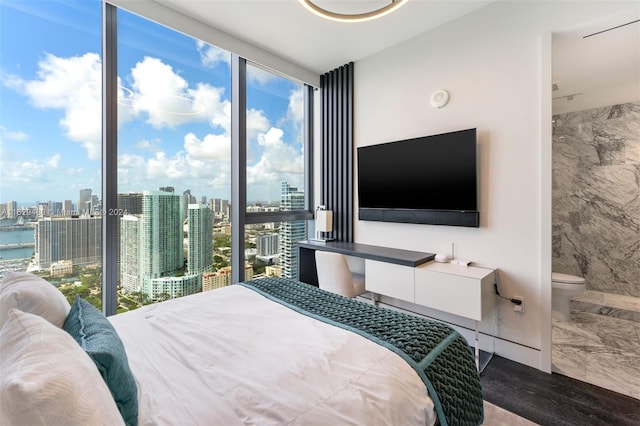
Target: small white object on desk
[[460, 262], [442, 258]]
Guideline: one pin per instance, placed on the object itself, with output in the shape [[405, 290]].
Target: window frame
[[239, 216]]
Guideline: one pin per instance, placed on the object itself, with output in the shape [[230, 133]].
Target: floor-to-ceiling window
[[275, 128], [174, 156], [50, 139], [174, 160]]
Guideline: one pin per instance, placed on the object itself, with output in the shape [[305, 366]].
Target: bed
[[269, 351]]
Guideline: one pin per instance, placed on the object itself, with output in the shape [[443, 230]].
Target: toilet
[[563, 288]]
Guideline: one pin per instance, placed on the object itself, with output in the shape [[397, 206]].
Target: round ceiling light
[[352, 17]]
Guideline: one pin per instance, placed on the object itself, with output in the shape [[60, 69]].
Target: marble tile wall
[[598, 349], [596, 197]]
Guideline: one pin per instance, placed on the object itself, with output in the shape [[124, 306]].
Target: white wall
[[495, 65]]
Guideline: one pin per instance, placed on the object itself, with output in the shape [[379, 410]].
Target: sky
[[173, 109]]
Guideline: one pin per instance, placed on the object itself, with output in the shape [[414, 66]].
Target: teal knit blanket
[[439, 354]]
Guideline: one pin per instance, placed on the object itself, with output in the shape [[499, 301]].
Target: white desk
[[466, 291]]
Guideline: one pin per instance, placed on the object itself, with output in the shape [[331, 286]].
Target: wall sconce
[[323, 223]]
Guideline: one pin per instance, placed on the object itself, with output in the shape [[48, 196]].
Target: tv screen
[[430, 179]]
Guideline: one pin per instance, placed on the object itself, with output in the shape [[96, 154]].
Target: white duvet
[[231, 356]]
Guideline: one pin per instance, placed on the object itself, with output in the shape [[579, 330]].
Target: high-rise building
[[54, 208], [9, 210], [84, 201], [77, 239], [95, 205], [200, 238], [267, 244], [130, 203], [161, 234], [130, 259], [151, 252], [220, 206], [67, 207], [42, 209], [187, 199], [292, 231]]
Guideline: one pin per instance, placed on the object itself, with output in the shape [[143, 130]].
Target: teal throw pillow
[[95, 334]]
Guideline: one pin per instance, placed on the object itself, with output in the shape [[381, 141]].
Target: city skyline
[[74, 200]]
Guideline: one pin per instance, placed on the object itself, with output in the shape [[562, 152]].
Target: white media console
[[466, 291]]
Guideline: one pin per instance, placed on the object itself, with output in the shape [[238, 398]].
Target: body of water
[[21, 236]]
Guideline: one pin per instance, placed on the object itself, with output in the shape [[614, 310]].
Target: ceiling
[[287, 29], [597, 63], [600, 69]]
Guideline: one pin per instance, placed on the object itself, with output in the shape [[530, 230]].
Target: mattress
[[233, 356]]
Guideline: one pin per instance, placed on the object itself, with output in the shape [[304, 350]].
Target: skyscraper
[[161, 238], [84, 201], [291, 232], [65, 238], [151, 247], [67, 207], [220, 206], [187, 199], [200, 237], [9, 210], [130, 203], [130, 259]]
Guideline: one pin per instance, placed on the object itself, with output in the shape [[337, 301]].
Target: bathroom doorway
[[596, 199]]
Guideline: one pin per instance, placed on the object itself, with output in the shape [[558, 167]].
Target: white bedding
[[231, 356]]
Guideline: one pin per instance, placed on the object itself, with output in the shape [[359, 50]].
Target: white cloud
[[75, 171], [257, 123], [6, 134], [149, 145], [157, 93], [210, 56], [29, 172], [162, 169], [295, 111], [190, 170], [278, 162], [53, 162], [204, 167], [259, 75], [164, 97], [212, 147], [70, 84], [211, 100]]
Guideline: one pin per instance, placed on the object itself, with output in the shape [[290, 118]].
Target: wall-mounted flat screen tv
[[429, 180]]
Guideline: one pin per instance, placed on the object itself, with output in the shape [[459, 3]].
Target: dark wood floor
[[553, 399]]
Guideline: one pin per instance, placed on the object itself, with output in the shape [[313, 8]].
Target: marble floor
[[601, 343], [613, 305]]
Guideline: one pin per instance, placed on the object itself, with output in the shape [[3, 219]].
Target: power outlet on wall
[[518, 307]]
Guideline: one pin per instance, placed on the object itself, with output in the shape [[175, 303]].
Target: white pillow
[[46, 377], [32, 294]]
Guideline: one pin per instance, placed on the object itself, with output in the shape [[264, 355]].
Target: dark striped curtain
[[337, 153]]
